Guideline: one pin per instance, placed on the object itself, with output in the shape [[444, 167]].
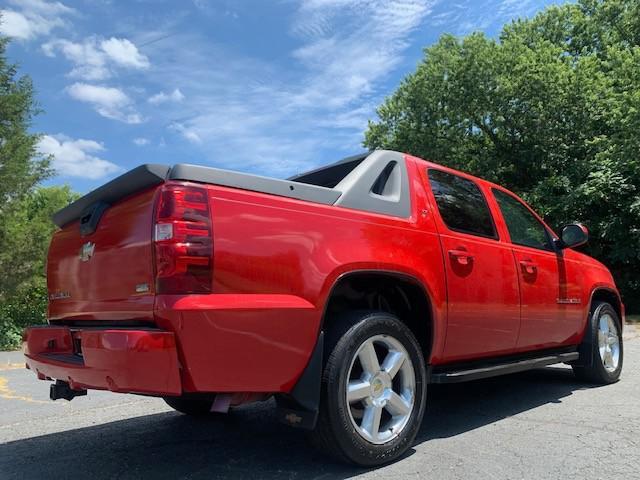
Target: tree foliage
[[25, 234], [551, 109], [21, 168], [25, 208]]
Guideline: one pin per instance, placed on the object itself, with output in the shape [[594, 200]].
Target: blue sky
[[268, 87]]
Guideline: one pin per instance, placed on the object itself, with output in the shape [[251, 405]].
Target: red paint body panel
[[545, 322], [546, 280], [138, 361], [229, 341], [275, 261], [104, 288], [483, 296]]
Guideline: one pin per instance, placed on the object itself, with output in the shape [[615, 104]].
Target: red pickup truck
[[342, 292]]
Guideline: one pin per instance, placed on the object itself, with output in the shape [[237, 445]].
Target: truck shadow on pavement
[[249, 443]]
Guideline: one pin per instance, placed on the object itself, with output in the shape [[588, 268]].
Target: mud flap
[[586, 347], [299, 408]]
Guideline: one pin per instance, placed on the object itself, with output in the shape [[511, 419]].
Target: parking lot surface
[[541, 424]]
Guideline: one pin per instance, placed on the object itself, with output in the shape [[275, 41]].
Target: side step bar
[[477, 373]]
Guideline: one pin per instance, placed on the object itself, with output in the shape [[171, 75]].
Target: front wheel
[[373, 389], [605, 334]]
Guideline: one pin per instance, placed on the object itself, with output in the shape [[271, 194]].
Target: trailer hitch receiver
[[61, 389]]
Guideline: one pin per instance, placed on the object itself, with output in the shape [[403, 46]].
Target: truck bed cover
[[375, 181]]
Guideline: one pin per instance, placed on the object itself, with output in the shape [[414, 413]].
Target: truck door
[[483, 313], [550, 294]]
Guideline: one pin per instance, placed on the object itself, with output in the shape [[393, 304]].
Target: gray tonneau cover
[[256, 183], [378, 182]]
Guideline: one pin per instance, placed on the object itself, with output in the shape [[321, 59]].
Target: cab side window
[[524, 228], [462, 205]]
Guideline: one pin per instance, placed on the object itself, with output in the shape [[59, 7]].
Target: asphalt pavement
[[541, 424]]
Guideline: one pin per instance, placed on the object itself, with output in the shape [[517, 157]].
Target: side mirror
[[573, 235]]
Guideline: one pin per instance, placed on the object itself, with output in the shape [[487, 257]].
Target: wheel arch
[[609, 295], [585, 367], [399, 293], [299, 408], [586, 346]]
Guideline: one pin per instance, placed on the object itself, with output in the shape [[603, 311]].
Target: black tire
[[335, 433], [592, 369], [196, 407]]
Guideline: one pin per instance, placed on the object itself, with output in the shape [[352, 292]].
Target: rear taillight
[[183, 240]]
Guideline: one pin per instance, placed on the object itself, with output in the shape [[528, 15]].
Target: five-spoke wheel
[[380, 394], [608, 342], [373, 389]]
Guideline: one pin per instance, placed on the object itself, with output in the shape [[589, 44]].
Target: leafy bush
[[27, 306]]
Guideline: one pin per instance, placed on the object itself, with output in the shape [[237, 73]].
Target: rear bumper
[[120, 360]]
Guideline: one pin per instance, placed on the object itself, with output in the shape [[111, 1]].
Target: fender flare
[[300, 407]]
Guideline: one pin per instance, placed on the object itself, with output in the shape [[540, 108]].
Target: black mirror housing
[[573, 235]]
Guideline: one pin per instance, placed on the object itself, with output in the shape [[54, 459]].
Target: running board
[[456, 376]]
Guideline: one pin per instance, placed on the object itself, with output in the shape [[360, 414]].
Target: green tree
[[550, 109], [25, 208], [21, 168], [26, 231]]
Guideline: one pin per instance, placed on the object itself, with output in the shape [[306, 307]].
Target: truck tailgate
[[105, 274]]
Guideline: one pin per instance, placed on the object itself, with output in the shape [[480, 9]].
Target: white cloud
[[106, 97], [75, 158], [255, 116], [464, 17], [347, 62], [96, 59], [109, 102], [90, 62], [158, 98], [275, 114], [32, 18], [16, 25], [189, 134], [122, 52]]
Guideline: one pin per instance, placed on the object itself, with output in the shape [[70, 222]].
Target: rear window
[[462, 205], [331, 175]]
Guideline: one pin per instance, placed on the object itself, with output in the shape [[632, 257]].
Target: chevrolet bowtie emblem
[[86, 251], [292, 418]]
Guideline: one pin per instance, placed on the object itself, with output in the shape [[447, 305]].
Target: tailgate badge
[[59, 295], [86, 251]]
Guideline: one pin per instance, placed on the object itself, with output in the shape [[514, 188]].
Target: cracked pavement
[[541, 424]]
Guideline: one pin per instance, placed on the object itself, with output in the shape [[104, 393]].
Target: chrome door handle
[[461, 256], [528, 266]]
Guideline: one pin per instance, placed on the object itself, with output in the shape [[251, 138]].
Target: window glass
[[461, 204], [524, 228]]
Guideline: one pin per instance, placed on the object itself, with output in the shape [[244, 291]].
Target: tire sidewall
[[598, 364], [190, 406], [351, 442]]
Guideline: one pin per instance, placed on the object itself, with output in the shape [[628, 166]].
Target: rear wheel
[[605, 334], [190, 406], [373, 390]]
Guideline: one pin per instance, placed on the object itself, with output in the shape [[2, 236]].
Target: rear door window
[[461, 204]]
